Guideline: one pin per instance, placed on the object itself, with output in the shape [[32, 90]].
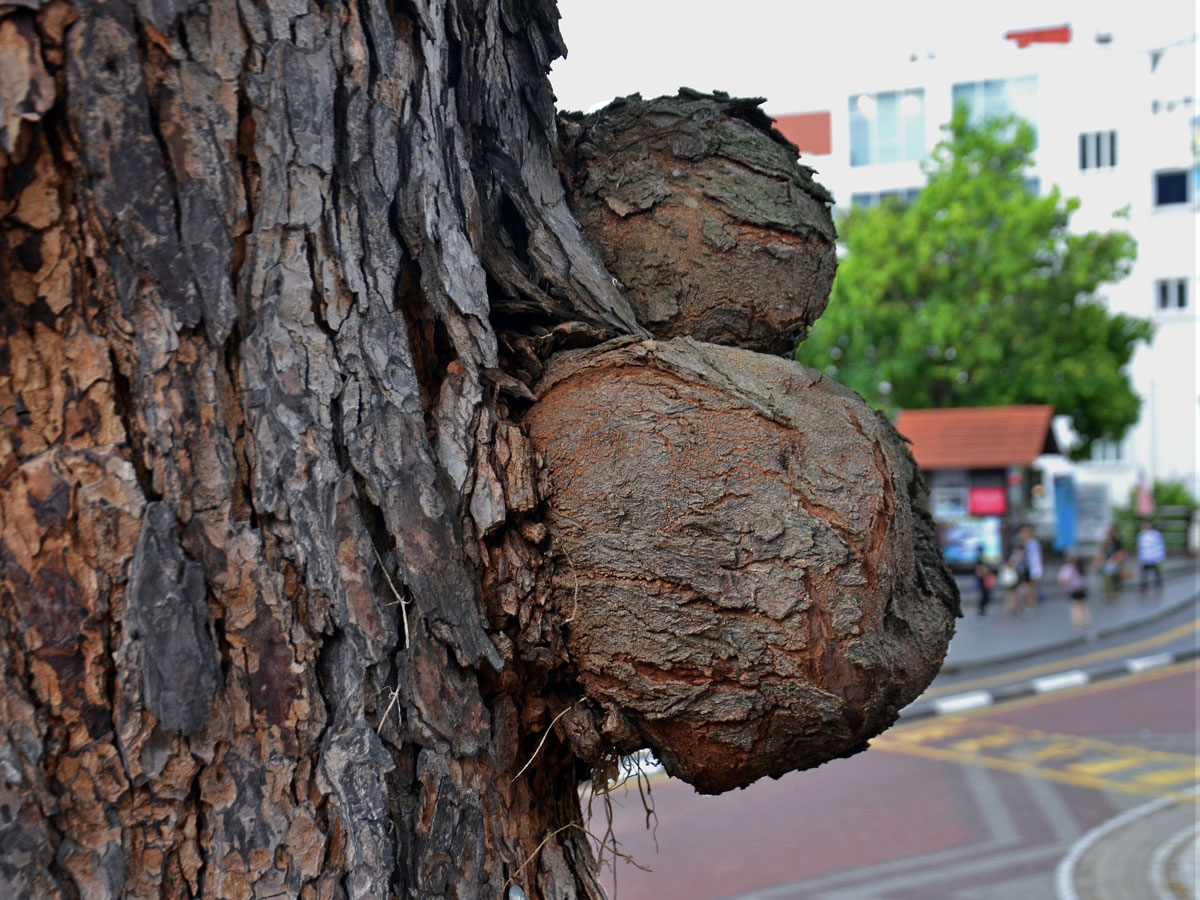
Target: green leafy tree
[[976, 294]]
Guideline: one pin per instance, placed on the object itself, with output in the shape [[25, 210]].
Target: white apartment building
[[1117, 127]]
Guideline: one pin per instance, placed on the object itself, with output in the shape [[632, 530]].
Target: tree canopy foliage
[[977, 294]]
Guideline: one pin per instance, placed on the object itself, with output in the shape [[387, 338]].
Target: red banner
[[988, 501]]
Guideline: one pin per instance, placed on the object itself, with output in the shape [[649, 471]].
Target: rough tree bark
[[276, 594]]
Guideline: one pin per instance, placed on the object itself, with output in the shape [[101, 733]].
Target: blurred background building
[[979, 465], [1117, 127]]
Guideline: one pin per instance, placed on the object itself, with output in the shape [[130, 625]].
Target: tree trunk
[[255, 441], [276, 280]]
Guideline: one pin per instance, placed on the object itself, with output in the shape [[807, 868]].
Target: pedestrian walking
[[1109, 560], [1010, 579], [1070, 576], [1151, 554], [1026, 559], [985, 581], [1030, 572]]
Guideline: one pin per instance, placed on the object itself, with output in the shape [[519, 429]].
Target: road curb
[[956, 703]]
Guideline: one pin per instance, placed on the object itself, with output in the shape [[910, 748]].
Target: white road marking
[[1057, 682], [1064, 875], [1175, 865], [962, 702], [1144, 663]]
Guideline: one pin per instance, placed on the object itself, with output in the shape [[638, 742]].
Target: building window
[[1172, 293], [1170, 187], [874, 198], [887, 127], [1097, 150], [998, 98], [948, 502], [1107, 451]]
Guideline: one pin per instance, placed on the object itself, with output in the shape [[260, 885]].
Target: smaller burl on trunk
[[703, 213]]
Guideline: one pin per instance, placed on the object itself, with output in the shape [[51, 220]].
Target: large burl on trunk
[[748, 571]]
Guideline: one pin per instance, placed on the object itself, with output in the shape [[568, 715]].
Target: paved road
[[983, 805]]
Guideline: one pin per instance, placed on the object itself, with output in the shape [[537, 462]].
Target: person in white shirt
[[1028, 562], [1151, 553]]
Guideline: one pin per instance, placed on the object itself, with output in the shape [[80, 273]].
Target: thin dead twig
[[575, 575], [395, 692], [536, 749], [536, 850], [395, 593], [606, 776], [557, 831]]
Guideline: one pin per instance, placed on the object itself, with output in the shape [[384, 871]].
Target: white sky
[[774, 48]]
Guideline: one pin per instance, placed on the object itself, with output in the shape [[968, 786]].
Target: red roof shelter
[[978, 437], [811, 132]]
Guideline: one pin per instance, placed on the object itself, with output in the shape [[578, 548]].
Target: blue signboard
[[1066, 512]]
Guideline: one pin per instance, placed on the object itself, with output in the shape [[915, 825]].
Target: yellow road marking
[[973, 738], [1186, 775], [1074, 662], [987, 742], [1104, 766], [1063, 748], [1023, 768], [929, 730]]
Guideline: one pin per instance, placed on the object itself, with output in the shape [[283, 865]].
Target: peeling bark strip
[[748, 569], [701, 209], [26, 89], [271, 534]]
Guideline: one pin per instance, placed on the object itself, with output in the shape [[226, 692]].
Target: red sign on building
[[988, 501]]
